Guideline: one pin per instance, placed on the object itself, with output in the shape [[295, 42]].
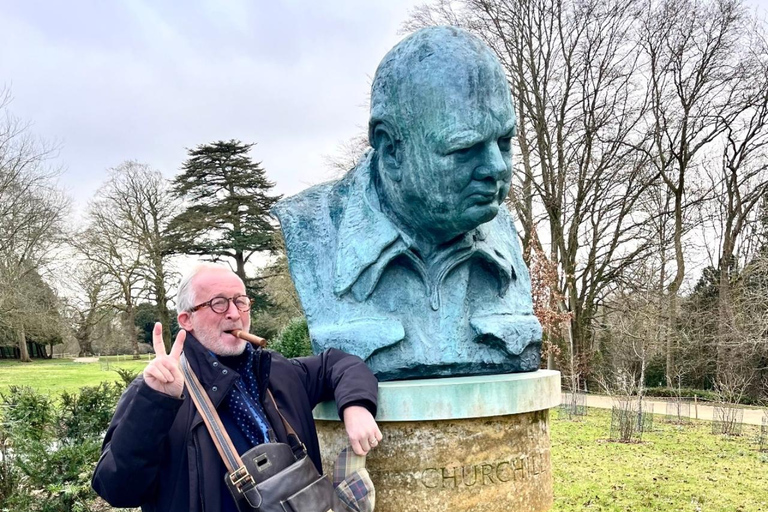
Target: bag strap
[[237, 470], [288, 427], [299, 450]]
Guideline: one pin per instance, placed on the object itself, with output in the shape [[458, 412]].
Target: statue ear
[[389, 149]]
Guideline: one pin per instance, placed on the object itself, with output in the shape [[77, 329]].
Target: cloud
[[144, 80]]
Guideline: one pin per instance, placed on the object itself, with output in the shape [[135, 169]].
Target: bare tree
[[108, 245], [573, 73], [693, 77], [32, 210], [87, 306], [125, 244], [742, 184], [636, 335], [143, 206], [742, 364], [347, 155]]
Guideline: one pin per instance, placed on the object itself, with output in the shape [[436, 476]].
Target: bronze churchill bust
[[411, 261]]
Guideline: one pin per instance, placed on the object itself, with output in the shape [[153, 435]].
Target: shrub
[[702, 394], [664, 392], [53, 447], [87, 414], [26, 413], [293, 340], [126, 376], [9, 474]]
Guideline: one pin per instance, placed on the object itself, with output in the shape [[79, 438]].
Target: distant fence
[[126, 357], [105, 361], [114, 358], [64, 355]]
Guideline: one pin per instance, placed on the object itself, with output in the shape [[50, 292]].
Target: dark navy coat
[[157, 453]]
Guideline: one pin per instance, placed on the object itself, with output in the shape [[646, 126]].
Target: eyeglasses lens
[[242, 303], [221, 304]]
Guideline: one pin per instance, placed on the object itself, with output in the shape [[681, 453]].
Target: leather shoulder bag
[[270, 477]]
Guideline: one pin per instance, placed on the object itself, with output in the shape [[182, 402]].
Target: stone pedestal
[[465, 444]]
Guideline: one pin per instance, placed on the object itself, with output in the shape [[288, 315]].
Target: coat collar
[[218, 379], [368, 242]]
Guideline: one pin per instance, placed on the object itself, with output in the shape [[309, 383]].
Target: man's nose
[[493, 164], [232, 311]]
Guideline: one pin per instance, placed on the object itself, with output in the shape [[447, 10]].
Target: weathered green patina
[[480, 396], [411, 261]]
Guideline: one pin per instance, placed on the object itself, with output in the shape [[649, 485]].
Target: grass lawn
[[675, 468], [55, 375]]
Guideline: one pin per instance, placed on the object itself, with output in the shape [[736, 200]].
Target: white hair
[[185, 296]]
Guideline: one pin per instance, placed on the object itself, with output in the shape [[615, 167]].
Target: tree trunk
[[666, 326], [669, 374], [23, 350], [86, 349], [130, 331], [162, 302], [724, 312], [240, 264], [670, 359], [674, 286]]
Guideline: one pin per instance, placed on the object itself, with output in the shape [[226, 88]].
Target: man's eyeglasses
[[221, 304]]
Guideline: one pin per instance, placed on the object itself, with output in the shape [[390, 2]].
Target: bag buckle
[[241, 477]]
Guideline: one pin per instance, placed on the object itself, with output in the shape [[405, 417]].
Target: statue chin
[[478, 214], [486, 212]]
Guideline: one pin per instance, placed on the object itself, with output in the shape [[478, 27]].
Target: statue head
[[441, 127]]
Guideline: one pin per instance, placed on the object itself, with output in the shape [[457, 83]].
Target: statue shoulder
[[316, 208], [298, 206]]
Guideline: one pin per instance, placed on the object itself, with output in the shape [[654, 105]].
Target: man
[[158, 454], [411, 261]]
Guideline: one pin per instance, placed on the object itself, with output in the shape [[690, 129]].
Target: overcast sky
[[144, 80]]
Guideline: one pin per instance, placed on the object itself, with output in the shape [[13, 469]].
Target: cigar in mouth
[[251, 338]]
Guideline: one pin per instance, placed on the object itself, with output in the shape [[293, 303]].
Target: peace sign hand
[[163, 373]]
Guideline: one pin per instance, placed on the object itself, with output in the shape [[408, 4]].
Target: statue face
[[457, 160]]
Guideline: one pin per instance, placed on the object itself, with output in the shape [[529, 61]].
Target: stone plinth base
[[459, 444]]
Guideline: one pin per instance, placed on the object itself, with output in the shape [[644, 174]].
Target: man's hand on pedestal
[[363, 432]]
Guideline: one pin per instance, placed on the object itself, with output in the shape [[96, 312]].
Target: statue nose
[[493, 165]]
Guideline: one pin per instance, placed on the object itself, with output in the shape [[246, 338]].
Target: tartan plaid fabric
[[353, 484], [346, 463], [358, 488]]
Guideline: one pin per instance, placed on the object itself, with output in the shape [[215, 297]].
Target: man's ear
[[389, 150], [185, 320]]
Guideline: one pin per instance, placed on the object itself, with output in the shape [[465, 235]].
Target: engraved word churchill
[[411, 261], [513, 470]]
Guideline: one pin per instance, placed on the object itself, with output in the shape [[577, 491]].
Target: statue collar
[[368, 242]]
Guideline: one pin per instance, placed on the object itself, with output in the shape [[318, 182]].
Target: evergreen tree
[[228, 198]]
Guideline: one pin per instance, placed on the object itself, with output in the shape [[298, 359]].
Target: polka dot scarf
[[243, 400]]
